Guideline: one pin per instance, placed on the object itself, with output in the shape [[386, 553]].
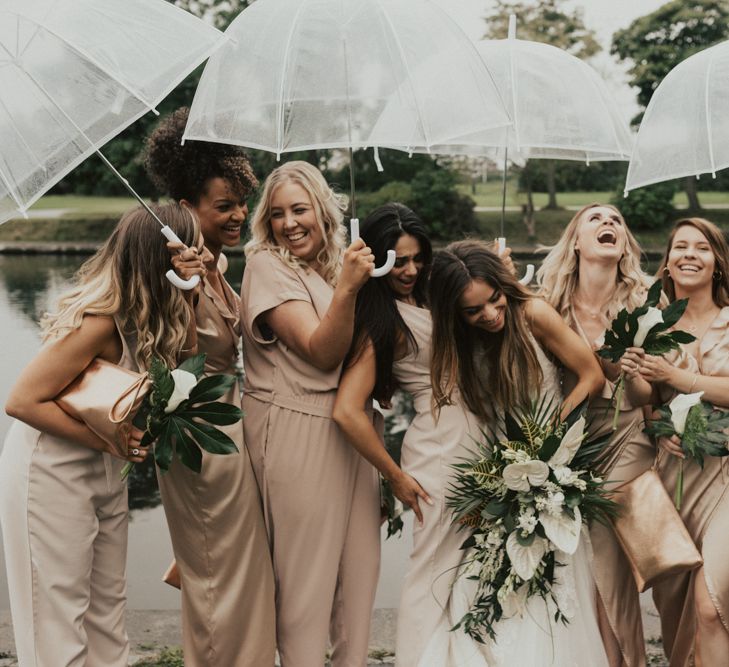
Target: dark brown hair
[[488, 368]]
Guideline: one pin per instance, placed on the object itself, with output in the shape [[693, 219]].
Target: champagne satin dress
[[429, 448], [705, 512], [216, 525], [64, 513], [321, 498], [630, 454]]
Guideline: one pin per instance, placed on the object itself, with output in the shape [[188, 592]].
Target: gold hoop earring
[[718, 275]]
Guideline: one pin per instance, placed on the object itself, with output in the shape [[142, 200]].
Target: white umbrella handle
[[178, 282], [391, 256], [529, 269]]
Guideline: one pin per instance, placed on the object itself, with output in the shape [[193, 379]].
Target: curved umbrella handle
[[391, 256], [529, 269], [178, 282]]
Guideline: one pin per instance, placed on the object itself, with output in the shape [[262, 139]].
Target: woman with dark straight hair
[[392, 349], [492, 343]]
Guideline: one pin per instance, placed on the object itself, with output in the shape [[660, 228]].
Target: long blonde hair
[[328, 207], [125, 278], [559, 274], [502, 367]]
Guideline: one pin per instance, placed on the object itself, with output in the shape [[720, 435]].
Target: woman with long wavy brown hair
[[63, 504], [592, 272], [694, 606], [492, 342]]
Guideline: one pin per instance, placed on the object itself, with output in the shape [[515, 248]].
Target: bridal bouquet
[[525, 497], [180, 413], [701, 428], [646, 327]]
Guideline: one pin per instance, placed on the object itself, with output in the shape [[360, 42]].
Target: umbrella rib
[[13, 193], [279, 138], [707, 105], [81, 52], [398, 44], [592, 77]]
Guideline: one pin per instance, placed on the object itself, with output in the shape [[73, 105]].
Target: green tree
[[550, 22], [222, 12], [659, 41]]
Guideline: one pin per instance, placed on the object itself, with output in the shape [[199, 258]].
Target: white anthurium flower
[[184, 384], [680, 407], [645, 323], [571, 442], [562, 530], [397, 508], [514, 604], [525, 560], [522, 476]]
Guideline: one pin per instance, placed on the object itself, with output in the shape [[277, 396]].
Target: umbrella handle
[[178, 282], [529, 269], [391, 256]]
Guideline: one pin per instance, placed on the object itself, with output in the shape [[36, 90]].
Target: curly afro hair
[[181, 172]]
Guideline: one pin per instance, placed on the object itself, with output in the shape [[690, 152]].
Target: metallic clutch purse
[[105, 397], [651, 532], [172, 576]]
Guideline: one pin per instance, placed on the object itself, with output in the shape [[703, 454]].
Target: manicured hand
[[407, 490], [130, 439], [631, 362], [357, 265], [672, 446], [186, 262], [656, 369]]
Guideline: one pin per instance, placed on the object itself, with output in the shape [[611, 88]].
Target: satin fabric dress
[[705, 512], [531, 637], [321, 498], [630, 454], [216, 524], [430, 446], [64, 512]]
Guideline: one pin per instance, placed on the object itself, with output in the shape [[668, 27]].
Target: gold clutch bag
[[651, 532], [172, 576], [105, 397]]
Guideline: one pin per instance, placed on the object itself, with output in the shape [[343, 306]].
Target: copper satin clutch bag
[[172, 576], [651, 532], [105, 397]]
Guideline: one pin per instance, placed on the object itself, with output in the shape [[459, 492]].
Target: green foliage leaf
[[209, 438], [221, 414], [211, 388], [189, 454], [164, 447], [512, 429], [194, 365], [654, 294]]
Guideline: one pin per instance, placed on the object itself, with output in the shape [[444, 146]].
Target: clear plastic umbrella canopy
[[685, 129], [560, 107], [75, 73], [302, 74]]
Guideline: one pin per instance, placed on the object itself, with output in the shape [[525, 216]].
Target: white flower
[[527, 522], [680, 407], [525, 560], [645, 323], [570, 444], [184, 383], [562, 530], [522, 476], [554, 503]]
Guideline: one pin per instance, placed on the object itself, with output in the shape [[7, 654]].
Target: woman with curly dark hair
[[215, 518]]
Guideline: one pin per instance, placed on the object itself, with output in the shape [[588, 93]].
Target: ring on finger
[[135, 451]]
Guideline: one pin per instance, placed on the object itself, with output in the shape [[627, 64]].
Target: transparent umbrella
[[685, 129], [303, 74], [560, 107], [75, 73]]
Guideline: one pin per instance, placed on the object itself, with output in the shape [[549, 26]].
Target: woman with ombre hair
[[320, 498], [591, 273]]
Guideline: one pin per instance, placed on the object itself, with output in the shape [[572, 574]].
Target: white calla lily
[[522, 476], [562, 530], [526, 559], [184, 384], [680, 407], [645, 323], [571, 442]]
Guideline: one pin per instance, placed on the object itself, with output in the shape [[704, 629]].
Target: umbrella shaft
[[352, 204]]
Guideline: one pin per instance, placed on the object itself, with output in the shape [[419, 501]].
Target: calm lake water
[[29, 286]]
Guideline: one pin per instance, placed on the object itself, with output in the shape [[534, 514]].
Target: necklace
[[701, 325], [593, 313]]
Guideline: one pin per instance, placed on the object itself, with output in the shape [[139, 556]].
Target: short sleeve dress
[[320, 498]]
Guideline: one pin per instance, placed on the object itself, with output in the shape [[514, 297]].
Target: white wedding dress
[[532, 638]]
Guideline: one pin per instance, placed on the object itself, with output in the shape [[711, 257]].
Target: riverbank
[[153, 632]]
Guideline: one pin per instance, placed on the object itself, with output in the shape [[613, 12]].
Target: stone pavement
[[151, 631]]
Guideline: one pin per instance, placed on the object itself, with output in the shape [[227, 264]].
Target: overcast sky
[[602, 16]]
